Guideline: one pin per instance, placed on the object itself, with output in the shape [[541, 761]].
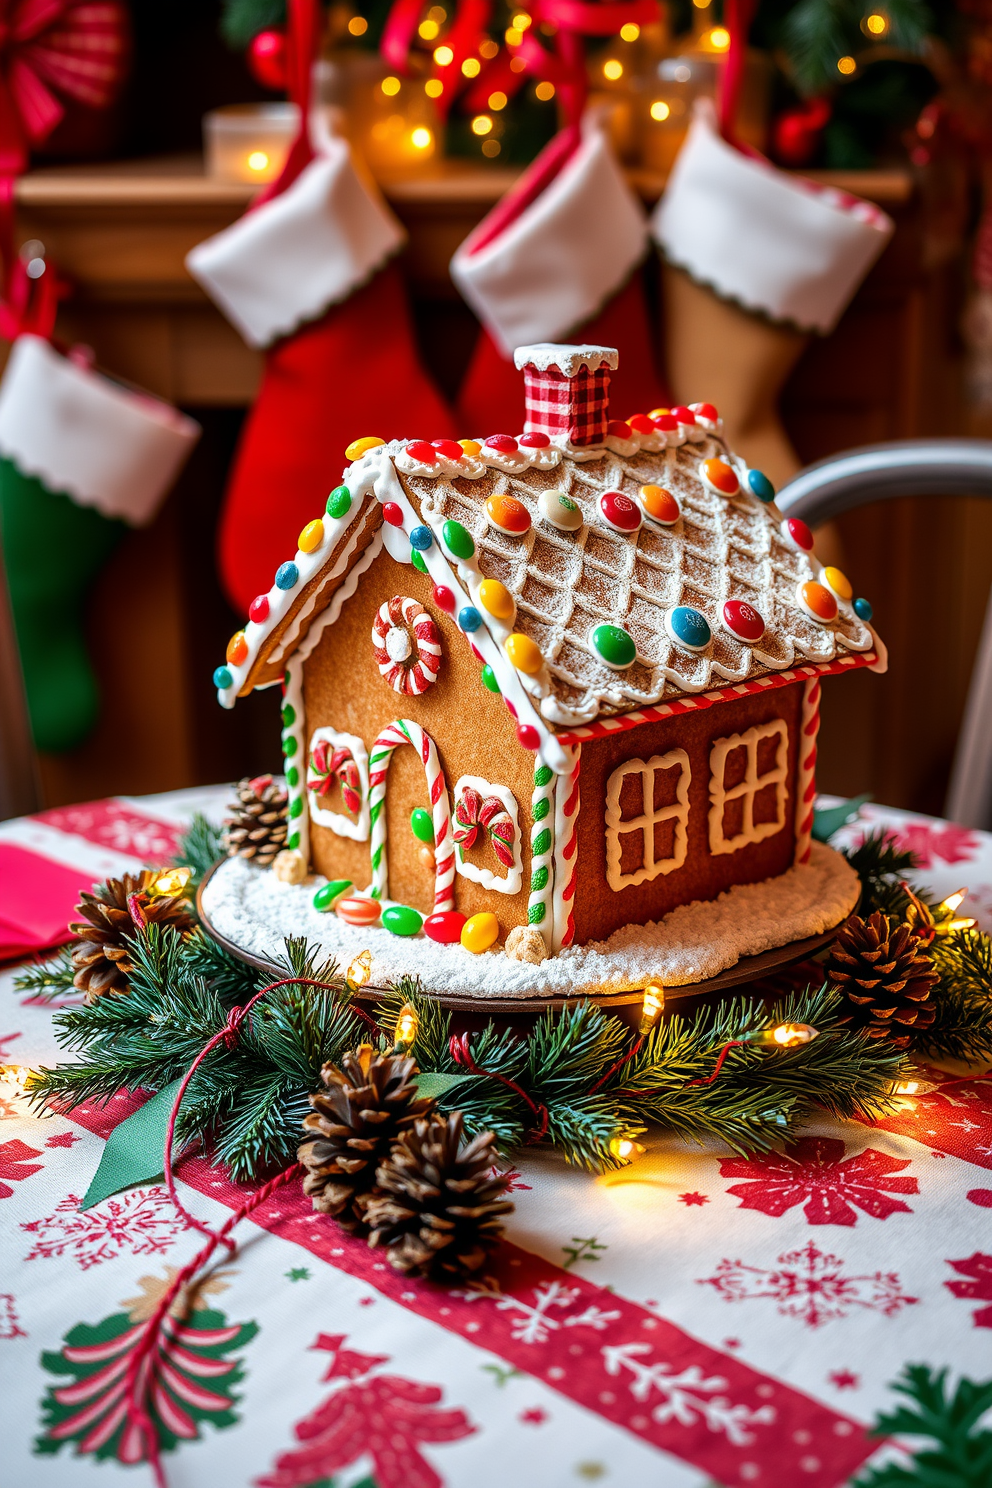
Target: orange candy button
[[237, 648], [838, 583], [720, 476], [508, 514], [817, 601], [660, 505]]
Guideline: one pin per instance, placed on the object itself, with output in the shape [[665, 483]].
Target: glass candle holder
[[249, 141]]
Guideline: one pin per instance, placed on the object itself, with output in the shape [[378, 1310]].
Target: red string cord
[[619, 1065], [461, 1054]]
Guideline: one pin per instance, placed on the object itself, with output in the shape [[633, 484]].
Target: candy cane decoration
[[336, 765], [566, 856], [806, 769], [404, 731], [393, 648], [542, 852], [475, 814]]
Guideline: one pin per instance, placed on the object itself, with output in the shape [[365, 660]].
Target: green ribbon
[[829, 819]]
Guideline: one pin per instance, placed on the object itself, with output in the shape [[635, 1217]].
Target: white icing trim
[[649, 818], [569, 360], [748, 788], [338, 822], [485, 876]]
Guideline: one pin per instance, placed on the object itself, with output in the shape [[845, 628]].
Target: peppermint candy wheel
[[401, 628], [473, 815]]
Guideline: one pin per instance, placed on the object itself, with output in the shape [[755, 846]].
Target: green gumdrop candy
[[399, 919], [328, 894], [421, 825]]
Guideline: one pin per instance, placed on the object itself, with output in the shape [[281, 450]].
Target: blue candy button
[[469, 618], [222, 678], [421, 538], [287, 576], [760, 485], [687, 627], [863, 610]]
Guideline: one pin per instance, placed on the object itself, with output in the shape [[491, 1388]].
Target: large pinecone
[[440, 1208], [882, 970], [361, 1110], [102, 958], [259, 822]]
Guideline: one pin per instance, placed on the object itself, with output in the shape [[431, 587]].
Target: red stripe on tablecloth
[[958, 1122], [112, 824], [596, 1348]]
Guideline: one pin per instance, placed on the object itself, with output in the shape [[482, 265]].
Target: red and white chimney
[[566, 390]]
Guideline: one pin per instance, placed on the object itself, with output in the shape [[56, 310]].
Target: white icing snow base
[[249, 907]]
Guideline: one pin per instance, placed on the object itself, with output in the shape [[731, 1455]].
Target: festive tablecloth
[[695, 1319]]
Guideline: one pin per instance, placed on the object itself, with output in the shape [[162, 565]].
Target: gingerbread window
[[748, 786], [647, 811]]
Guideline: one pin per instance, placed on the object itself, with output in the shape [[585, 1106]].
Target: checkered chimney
[[566, 390]]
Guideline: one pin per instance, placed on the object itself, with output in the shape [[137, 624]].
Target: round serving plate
[[747, 969]]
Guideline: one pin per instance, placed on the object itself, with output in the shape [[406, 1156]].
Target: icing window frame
[[358, 830], [651, 868], [509, 883], [748, 788]]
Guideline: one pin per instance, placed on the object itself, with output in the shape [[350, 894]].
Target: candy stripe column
[[566, 857], [294, 753], [404, 731], [542, 852], [806, 769]]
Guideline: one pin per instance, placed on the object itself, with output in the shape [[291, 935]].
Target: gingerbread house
[[570, 677]]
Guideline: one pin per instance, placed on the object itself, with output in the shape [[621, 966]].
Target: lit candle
[[249, 141]]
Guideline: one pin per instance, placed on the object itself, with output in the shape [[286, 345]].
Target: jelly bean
[[422, 825], [660, 505], [400, 919], [421, 538], [817, 602], [619, 512], [838, 583], [508, 515], [863, 610], [426, 859], [683, 414], [258, 610], [448, 448], [719, 476], [359, 447], [392, 514], [489, 679], [470, 447], [445, 928], [505, 443], [560, 510], [534, 440], [458, 540], [524, 653], [417, 559], [328, 894], [688, 628], [743, 621], [422, 452], [797, 535], [657, 413], [339, 502], [480, 932], [288, 715], [293, 776], [760, 486], [311, 537], [469, 618], [358, 911], [497, 599], [666, 422], [237, 648], [641, 424], [287, 576], [444, 599], [222, 678], [614, 646], [618, 428], [527, 736], [706, 411]]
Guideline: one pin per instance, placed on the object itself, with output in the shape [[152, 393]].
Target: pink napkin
[[37, 900]]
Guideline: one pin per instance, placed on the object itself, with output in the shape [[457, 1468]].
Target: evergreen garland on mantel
[[247, 1102]]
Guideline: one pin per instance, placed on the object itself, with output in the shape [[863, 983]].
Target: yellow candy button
[[497, 599], [237, 648], [659, 413], [524, 653], [470, 446], [312, 536], [480, 932], [839, 583], [359, 447]]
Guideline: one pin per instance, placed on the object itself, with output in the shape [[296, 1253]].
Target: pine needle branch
[[199, 847], [47, 979]]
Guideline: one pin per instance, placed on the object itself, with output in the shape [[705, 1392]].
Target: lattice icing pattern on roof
[[565, 584]]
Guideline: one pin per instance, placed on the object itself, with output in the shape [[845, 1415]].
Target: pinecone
[[885, 976], [356, 1117], [259, 821], [102, 958], [440, 1208]]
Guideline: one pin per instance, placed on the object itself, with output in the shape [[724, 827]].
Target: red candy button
[[684, 415], [641, 424], [743, 621], [619, 512], [706, 411], [528, 736], [445, 928], [666, 422], [505, 443], [392, 514], [448, 448], [721, 476], [534, 441], [618, 428], [258, 610], [797, 534], [444, 599], [422, 451]]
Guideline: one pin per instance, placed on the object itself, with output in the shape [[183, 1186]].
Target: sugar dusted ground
[[249, 907]]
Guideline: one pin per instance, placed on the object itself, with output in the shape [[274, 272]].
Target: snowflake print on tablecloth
[[809, 1284], [112, 824], [979, 1288], [534, 1322], [367, 1414], [693, 1200], [811, 1172], [140, 1222], [687, 1396], [192, 1379], [9, 1320], [15, 1164], [63, 1139]]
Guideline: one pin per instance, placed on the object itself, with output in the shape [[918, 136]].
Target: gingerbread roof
[[593, 579]]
